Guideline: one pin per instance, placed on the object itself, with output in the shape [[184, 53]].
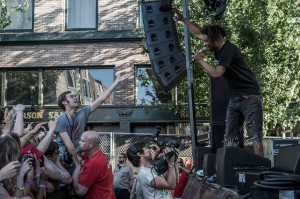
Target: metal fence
[[113, 143]]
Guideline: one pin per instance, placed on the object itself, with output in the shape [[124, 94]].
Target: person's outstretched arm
[[108, 91], [195, 29]]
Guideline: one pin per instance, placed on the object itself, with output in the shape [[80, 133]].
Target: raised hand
[[9, 120], [28, 128], [26, 166], [52, 125], [10, 170], [37, 128], [123, 77], [179, 16], [19, 107]]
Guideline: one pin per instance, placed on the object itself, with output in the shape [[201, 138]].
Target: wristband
[[171, 166], [29, 181], [19, 188], [42, 186], [37, 175]]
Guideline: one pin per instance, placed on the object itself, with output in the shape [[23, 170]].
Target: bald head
[[92, 137]]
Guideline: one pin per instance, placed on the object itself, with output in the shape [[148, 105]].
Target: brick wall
[[117, 15], [122, 55], [49, 16]]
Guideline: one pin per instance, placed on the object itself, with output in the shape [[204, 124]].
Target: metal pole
[[189, 69]]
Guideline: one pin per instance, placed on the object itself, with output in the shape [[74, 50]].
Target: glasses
[[121, 157]]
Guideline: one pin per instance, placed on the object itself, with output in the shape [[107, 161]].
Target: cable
[[276, 180]]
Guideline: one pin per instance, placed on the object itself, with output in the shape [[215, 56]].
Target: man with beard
[[123, 177], [95, 179], [149, 185], [71, 124]]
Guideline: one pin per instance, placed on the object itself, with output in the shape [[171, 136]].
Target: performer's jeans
[[246, 109]]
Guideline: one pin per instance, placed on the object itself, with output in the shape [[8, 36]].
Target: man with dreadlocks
[[245, 103]]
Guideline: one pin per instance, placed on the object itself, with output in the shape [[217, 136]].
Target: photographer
[[149, 184]]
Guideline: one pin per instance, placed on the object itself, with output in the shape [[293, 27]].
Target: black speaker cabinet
[[199, 153], [288, 159], [166, 57], [230, 160], [209, 164]]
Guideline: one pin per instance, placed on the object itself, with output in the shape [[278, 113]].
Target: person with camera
[[245, 103], [71, 123], [150, 184]]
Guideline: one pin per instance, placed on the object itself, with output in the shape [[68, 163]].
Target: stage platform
[[199, 188]]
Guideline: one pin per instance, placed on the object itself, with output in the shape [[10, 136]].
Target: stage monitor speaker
[[288, 159], [209, 164], [199, 153], [166, 57], [231, 160], [277, 144]]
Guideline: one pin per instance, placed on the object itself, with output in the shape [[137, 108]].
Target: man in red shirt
[[183, 178], [95, 179]]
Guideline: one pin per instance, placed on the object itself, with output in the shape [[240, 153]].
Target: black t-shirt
[[240, 78]]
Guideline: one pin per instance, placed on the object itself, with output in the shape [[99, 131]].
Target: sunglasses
[[149, 146]]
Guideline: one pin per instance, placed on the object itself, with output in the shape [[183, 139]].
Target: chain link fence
[[113, 143]]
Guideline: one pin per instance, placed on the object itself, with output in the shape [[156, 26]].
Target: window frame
[[136, 68], [80, 29], [23, 30], [40, 100]]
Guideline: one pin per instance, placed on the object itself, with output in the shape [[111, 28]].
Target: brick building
[[81, 45]]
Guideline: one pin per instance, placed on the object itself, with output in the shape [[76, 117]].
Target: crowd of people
[[32, 166], [58, 159]]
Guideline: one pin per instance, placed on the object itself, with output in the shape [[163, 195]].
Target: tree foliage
[[268, 33], [6, 12]]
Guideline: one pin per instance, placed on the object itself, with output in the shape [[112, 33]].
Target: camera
[[26, 156], [161, 165]]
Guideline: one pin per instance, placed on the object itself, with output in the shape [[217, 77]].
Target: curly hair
[[132, 153], [214, 32]]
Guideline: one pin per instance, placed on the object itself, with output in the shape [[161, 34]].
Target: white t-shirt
[[144, 177]]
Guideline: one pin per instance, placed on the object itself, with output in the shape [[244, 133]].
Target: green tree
[[5, 12], [268, 33]]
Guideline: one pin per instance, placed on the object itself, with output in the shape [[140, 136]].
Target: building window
[[139, 16], [147, 89], [22, 87], [41, 87], [81, 14], [70, 76], [54, 83], [99, 81], [19, 15]]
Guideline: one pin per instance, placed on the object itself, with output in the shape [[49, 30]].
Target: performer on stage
[[245, 103]]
